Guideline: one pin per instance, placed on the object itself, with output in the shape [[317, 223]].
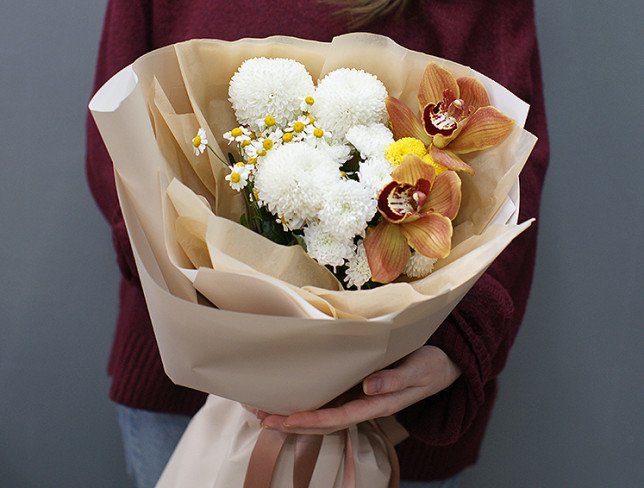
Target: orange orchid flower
[[456, 118], [418, 208]]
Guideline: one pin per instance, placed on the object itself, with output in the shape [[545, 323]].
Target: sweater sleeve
[[126, 36], [478, 334]]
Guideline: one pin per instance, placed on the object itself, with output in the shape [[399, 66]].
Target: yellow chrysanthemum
[[397, 150], [438, 167]]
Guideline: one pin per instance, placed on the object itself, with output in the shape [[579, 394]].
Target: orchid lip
[[443, 117], [400, 201], [440, 121]]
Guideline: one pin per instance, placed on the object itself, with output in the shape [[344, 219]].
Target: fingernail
[[373, 386]]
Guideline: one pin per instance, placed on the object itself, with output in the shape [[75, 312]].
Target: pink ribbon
[[269, 444]]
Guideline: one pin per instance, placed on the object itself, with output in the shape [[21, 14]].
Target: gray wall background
[[571, 403]]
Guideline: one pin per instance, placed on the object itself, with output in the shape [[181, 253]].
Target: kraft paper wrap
[[274, 334], [285, 336]]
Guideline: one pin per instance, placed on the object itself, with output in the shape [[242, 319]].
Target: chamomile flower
[[347, 97], [348, 207], [263, 87], [326, 248], [200, 142], [419, 266], [306, 104], [266, 123], [298, 127], [238, 177], [358, 271], [238, 134], [259, 147], [370, 140], [291, 181]]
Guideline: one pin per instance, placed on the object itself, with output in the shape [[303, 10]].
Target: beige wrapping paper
[[280, 341], [215, 451]]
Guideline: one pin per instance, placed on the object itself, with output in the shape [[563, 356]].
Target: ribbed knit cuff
[[422, 462], [470, 337]]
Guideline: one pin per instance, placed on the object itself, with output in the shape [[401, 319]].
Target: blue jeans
[[149, 438]]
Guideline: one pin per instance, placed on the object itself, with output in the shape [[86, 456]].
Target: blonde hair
[[362, 12]]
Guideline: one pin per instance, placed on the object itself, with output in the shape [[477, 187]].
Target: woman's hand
[[423, 373]]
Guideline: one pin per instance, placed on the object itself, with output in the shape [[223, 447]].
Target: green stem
[[217, 156]]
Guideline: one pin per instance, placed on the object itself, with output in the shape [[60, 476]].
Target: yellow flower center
[[311, 119], [252, 160], [298, 126], [269, 120], [196, 142], [245, 143], [253, 135], [287, 137], [309, 100], [261, 152], [268, 144], [318, 132], [396, 151], [236, 132], [235, 177], [240, 164]]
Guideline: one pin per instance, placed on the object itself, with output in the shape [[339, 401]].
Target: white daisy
[[298, 127], [259, 147], [238, 134], [419, 266], [238, 177], [347, 97], [314, 134], [199, 142], [305, 106], [263, 87], [358, 271]]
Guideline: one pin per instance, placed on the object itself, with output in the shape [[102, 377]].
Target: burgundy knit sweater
[[496, 38]]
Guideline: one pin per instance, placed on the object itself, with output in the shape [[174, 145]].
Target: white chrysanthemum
[[325, 248], [419, 266], [291, 181], [200, 142], [347, 97], [348, 207], [358, 271], [274, 87], [375, 173], [340, 153], [370, 140]]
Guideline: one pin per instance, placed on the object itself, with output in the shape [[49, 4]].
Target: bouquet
[[246, 186]]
